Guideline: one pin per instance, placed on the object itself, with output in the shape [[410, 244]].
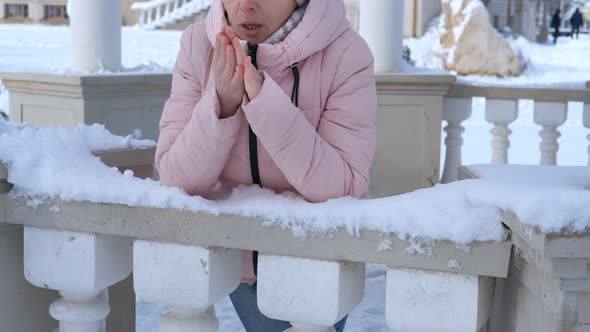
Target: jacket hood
[[323, 22]]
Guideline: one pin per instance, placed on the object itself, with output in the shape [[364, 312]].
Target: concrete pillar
[[95, 27], [312, 295], [36, 11], [550, 116], [382, 26], [528, 23], [188, 279]]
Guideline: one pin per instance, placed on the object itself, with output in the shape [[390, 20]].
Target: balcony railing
[[160, 13], [501, 110], [188, 260]]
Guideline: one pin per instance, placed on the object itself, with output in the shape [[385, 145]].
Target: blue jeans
[[244, 301]]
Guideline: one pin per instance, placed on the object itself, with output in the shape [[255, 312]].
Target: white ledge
[[230, 231]]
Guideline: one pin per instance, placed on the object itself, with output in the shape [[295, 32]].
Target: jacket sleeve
[[333, 161], [194, 144]]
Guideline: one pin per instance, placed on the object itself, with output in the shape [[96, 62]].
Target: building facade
[[34, 11], [51, 11]]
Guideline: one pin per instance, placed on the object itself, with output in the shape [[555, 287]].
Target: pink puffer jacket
[[322, 149]]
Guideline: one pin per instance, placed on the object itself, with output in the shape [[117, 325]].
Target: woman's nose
[[247, 5]]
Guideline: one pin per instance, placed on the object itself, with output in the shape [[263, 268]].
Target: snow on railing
[[501, 110], [160, 13]]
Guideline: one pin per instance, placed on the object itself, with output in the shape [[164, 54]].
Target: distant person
[[576, 21], [555, 24]]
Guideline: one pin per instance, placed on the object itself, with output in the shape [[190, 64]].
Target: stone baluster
[[176, 5], [143, 18], [150, 17], [550, 116], [501, 113], [586, 120], [420, 300], [188, 279], [158, 14], [168, 9], [456, 110], [312, 295], [81, 267]]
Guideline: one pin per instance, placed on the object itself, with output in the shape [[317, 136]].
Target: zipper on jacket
[[253, 141]]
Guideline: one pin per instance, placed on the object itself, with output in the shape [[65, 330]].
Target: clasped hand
[[234, 73]]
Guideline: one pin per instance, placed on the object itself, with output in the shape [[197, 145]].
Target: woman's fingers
[[238, 78], [231, 57], [240, 52], [216, 51], [222, 49], [229, 33]]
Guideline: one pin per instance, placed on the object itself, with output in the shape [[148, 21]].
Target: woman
[[278, 93]]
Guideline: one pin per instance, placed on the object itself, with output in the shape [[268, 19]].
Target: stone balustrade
[[51, 265], [188, 260], [548, 282], [160, 13], [501, 110]]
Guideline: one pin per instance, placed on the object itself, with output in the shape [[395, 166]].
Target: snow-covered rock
[[469, 44]]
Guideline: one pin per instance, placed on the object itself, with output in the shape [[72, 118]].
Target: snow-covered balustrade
[[161, 13], [187, 259], [548, 283], [81, 266], [87, 227], [501, 110]]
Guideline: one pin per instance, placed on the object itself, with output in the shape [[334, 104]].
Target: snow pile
[[465, 42], [561, 65], [56, 162]]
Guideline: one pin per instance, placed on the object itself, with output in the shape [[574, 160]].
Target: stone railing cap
[[563, 244], [232, 231], [537, 93], [86, 79]]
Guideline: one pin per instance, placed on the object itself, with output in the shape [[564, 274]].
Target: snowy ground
[[43, 48]]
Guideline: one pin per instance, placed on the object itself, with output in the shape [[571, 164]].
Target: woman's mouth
[[250, 29]]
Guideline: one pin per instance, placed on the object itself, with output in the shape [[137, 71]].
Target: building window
[[56, 12], [13, 10]]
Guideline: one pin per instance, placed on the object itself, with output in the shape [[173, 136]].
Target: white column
[[456, 110], [586, 118], [312, 295], [95, 28], [550, 116], [418, 300], [381, 24], [501, 113], [150, 19], [188, 279], [81, 267]]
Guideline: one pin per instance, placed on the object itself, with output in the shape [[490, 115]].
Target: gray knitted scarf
[[291, 23]]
